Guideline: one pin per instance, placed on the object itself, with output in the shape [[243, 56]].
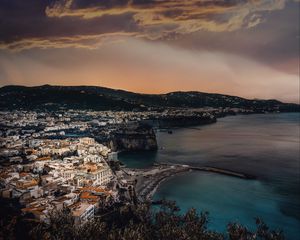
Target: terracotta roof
[[88, 195], [23, 174], [43, 158]]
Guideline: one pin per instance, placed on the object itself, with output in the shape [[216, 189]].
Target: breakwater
[[224, 172], [148, 180], [214, 170]]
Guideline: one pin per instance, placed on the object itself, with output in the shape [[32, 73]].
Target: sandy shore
[[148, 181]]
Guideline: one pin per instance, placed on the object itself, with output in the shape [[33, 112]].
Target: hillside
[[100, 98]]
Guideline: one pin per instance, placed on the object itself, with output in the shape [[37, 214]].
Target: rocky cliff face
[[134, 137]]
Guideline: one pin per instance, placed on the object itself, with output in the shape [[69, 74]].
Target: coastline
[[148, 193], [153, 191], [148, 180]]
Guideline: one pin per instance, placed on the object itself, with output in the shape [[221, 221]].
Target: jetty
[[213, 170], [224, 172], [148, 180]]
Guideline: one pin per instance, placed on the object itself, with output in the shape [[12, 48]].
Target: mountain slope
[[100, 98]]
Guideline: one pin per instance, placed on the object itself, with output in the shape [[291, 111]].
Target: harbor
[[147, 181]]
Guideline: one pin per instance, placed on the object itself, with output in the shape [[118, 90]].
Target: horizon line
[[163, 93]]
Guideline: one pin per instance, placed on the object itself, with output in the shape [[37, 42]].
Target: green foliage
[[140, 222], [98, 98]]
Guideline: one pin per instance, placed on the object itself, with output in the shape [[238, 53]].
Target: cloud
[[241, 47], [175, 15], [151, 67], [79, 41], [81, 23]]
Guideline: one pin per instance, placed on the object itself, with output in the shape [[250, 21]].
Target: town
[[68, 159]]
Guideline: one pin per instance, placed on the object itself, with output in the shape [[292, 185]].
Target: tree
[[139, 222]]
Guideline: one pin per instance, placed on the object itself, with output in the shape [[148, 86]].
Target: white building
[[82, 212]]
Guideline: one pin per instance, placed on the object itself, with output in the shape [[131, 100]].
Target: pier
[[224, 172], [148, 180], [212, 170]]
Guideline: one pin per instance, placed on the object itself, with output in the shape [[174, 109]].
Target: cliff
[[133, 137]]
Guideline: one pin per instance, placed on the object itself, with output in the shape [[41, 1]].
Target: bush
[[140, 222]]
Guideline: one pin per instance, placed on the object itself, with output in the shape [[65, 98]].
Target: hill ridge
[[103, 98]]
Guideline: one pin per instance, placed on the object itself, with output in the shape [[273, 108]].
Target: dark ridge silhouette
[[100, 98]]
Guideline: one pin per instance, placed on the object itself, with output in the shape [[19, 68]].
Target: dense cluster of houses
[[50, 160], [69, 173]]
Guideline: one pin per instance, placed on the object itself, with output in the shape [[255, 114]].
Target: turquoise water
[[228, 200], [138, 159], [266, 146]]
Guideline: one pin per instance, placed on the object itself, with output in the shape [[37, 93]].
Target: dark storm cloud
[[25, 25], [19, 18], [86, 23], [274, 42], [79, 4]]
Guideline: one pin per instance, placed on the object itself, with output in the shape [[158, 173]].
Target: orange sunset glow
[[153, 46]]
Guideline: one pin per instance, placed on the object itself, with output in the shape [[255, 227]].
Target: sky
[[237, 47]]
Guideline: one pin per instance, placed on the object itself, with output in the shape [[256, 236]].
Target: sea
[[263, 145]]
